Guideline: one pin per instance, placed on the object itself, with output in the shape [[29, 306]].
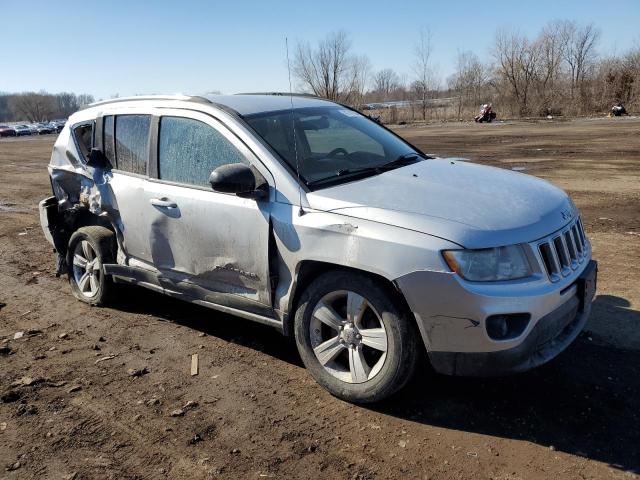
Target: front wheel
[[353, 338]]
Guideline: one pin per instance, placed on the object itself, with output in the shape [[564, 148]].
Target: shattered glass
[[132, 143], [190, 150]]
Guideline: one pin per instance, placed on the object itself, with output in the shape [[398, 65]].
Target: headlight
[[489, 264]]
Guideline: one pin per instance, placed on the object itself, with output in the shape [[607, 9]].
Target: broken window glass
[[132, 143], [190, 150], [84, 138]]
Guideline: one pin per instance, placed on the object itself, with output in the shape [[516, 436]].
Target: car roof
[[250, 104], [241, 104]]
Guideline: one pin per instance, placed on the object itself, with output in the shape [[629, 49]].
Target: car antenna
[[293, 125]]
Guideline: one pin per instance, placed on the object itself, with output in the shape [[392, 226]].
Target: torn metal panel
[[83, 195]]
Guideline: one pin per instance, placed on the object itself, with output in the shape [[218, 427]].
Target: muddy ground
[[71, 409]]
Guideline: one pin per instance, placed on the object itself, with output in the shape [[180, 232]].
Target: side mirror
[[97, 159], [236, 178]]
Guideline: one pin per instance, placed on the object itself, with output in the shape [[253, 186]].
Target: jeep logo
[[566, 214]]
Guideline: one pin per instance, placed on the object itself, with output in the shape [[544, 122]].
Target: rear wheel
[[353, 338], [89, 249]]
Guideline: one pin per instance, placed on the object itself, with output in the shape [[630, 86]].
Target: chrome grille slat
[[548, 259], [562, 252], [580, 231], [568, 240], [576, 238]]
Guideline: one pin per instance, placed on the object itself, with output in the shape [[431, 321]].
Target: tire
[[354, 366], [96, 246]]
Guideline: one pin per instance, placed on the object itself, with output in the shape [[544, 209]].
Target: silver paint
[[214, 249]]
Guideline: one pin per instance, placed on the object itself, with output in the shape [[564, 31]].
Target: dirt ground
[[70, 409]]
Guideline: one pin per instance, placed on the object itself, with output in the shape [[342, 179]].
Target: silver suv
[[305, 215]]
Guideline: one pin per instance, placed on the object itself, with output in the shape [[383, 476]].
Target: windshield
[[333, 143]]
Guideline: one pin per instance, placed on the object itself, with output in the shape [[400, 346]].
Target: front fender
[[344, 241]]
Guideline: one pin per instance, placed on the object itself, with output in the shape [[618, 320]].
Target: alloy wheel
[[348, 336], [86, 269]]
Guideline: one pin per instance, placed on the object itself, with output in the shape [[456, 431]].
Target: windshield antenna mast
[[293, 126]]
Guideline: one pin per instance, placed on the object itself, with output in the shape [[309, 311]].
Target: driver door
[[208, 244]]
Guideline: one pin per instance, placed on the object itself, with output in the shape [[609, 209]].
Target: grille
[[564, 251]]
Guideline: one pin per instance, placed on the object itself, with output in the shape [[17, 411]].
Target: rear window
[[132, 143], [83, 135]]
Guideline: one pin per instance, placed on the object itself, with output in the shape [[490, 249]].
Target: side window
[[107, 138], [132, 143], [84, 138], [189, 150]]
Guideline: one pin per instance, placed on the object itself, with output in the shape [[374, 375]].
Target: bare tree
[[423, 68], [516, 60], [67, 104], [468, 80], [360, 69], [85, 99], [325, 70], [551, 47], [385, 82], [618, 79], [36, 107], [5, 111], [579, 51]]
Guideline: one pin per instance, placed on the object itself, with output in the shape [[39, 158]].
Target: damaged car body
[[307, 216]]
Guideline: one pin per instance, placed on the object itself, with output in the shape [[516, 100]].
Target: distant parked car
[[7, 131], [44, 128], [59, 124], [22, 130]]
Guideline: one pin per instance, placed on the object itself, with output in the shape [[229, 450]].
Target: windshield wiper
[[401, 161], [404, 159]]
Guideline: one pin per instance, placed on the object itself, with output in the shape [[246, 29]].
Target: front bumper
[[451, 316], [551, 335]]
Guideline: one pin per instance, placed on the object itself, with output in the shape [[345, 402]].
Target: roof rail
[[178, 96], [283, 94]]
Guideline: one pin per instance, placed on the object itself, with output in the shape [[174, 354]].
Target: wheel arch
[[309, 270], [70, 221]]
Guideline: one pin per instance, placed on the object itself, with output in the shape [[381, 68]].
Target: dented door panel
[[215, 241]]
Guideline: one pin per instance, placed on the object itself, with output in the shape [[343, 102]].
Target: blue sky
[[134, 47]]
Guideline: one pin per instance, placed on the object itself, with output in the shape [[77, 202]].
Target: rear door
[[126, 146], [211, 243]]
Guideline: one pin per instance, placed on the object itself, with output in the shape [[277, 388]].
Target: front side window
[[189, 150], [331, 143], [132, 143]]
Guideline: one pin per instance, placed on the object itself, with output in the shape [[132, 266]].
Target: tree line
[[560, 71], [40, 106]]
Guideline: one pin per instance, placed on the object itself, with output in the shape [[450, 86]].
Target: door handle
[[163, 202]]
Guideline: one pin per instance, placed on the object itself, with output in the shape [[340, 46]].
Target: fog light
[[508, 326]]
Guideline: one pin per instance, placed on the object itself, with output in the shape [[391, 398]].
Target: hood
[[473, 205]]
